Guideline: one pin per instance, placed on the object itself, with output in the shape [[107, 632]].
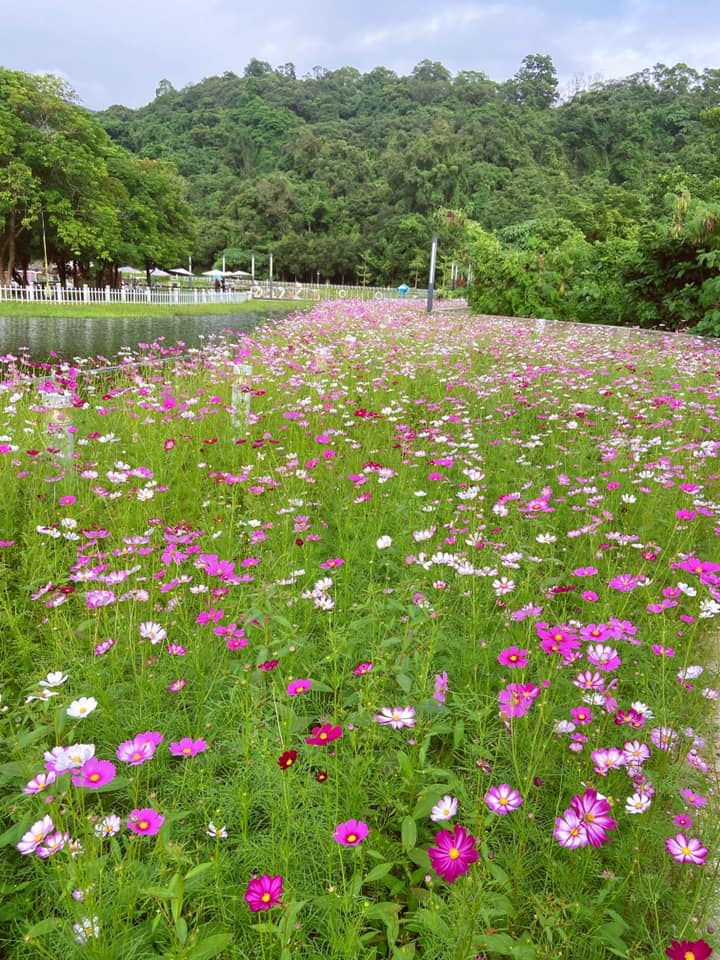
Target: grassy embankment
[[102, 311]]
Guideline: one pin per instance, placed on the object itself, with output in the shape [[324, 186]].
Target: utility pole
[[270, 277]]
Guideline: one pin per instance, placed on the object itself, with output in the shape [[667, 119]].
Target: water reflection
[[68, 337]]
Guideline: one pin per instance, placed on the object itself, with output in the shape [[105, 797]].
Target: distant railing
[[292, 290], [169, 296]]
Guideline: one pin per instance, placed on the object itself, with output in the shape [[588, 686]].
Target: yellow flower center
[[143, 824], [186, 749], [687, 851], [351, 837], [323, 736], [266, 898], [453, 853], [94, 777], [689, 955]]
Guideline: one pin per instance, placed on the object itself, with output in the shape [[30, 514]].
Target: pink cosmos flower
[[503, 799], [454, 853], [396, 717], [145, 822], [141, 748], [516, 699], [513, 657], [322, 736], [603, 657], [594, 813], [685, 850], [683, 820], [31, 840], [694, 799], [298, 686], [40, 782], [264, 892], [441, 687], [362, 668], [607, 759], [187, 747], [350, 833], [94, 774], [569, 831]]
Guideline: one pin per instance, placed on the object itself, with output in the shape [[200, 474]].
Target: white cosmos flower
[[81, 708], [382, 543], [637, 803], [43, 695], [397, 717], [54, 679], [444, 809]]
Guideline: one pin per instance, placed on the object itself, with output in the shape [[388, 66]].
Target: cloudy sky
[[117, 53]]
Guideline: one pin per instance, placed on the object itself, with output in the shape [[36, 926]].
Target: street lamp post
[[431, 281]]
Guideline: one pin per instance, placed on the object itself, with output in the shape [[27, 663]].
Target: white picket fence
[[264, 290], [54, 293]]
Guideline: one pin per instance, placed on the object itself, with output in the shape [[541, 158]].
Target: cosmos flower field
[[402, 643]]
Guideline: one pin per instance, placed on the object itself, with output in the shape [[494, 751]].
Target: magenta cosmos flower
[[689, 950], [264, 892], [141, 748], [94, 774], [513, 657], [350, 833], [503, 799], [298, 686], [454, 853], [146, 822], [686, 850], [322, 736], [187, 747]]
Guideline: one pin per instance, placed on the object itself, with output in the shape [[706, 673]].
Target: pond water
[[68, 337]]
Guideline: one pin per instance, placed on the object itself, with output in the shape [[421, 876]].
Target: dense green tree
[[66, 190]]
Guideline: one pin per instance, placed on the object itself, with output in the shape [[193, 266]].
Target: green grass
[[103, 311]]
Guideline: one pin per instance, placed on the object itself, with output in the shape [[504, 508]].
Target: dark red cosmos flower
[[321, 776], [689, 950], [287, 759], [268, 665]]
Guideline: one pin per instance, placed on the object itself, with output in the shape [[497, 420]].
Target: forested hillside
[[69, 195], [345, 176]]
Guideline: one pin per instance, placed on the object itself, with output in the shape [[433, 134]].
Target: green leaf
[[378, 872], [382, 911], [198, 870], [181, 929], [458, 733], [501, 943], [420, 858], [406, 768], [43, 927], [210, 947], [408, 832], [404, 682]]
